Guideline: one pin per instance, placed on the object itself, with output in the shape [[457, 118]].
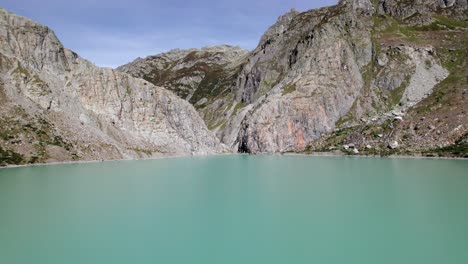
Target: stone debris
[[393, 145]]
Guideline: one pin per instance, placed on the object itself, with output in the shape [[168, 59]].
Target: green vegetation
[[374, 134], [441, 23], [8, 157], [441, 94], [40, 87], [349, 117], [263, 89], [215, 83], [128, 90], [20, 70], [338, 137], [381, 100], [388, 26], [452, 52], [221, 123], [397, 94], [37, 80], [146, 151], [451, 23], [6, 135], [449, 91], [452, 59], [238, 106], [459, 149], [375, 3], [18, 128], [289, 88]]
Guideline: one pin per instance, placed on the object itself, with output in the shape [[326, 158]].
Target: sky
[[114, 32]]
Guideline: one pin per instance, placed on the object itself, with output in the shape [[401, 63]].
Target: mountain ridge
[[59, 106], [379, 77], [380, 35]]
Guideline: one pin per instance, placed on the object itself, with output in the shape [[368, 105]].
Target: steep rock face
[[303, 76], [318, 79], [414, 97], [94, 113], [303, 80], [203, 77], [316, 99]]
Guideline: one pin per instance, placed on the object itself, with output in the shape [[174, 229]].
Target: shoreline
[[93, 161], [332, 154], [313, 154]]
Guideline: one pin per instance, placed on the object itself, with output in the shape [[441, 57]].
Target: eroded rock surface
[[335, 68], [382, 76], [58, 106]]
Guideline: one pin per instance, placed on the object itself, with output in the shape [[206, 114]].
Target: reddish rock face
[[344, 67]]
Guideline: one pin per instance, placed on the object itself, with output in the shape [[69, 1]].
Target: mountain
[[56, 106], [184, 71], [378, 77], [374, 77]]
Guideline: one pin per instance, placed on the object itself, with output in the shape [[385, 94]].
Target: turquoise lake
[[237, 209]]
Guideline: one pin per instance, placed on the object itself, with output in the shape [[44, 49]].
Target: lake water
[[236, 209]]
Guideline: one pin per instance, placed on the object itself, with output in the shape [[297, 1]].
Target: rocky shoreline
[[315, 154]]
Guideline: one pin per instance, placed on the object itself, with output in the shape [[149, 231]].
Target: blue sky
[[113, 32]]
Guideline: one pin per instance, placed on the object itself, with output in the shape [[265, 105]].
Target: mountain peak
[[62, 107]]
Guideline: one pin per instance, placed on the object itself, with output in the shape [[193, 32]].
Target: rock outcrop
[[58, 106], [361, 77], [336, 69], [302, 81]]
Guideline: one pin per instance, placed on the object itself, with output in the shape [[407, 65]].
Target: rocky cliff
[[362, 77], [373, 75], [56, 106]]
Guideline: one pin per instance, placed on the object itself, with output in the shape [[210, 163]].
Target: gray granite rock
[[316, 71], [92, 106]]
